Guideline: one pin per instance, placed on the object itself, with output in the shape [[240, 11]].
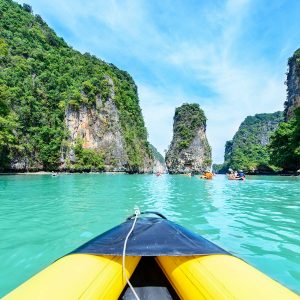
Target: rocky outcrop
[[189, 150], [293, 85], [98, 128], [248, 148], [159, 165], [65, 110]]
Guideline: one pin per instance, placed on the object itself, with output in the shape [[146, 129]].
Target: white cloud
[[242, 87], [158, 111]]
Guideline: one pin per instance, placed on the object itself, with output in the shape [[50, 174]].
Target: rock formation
[[189, 150], [248, 148], [63, 109], [159, 161], [97, 128], [285, 143], [293, 85]]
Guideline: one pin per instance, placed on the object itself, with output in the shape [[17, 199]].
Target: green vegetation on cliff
[[188, 118], [88, 159], [261, 143], [217, 168], [157, 155], [248, 149], [293, 85], [40, 76], [285, 144]]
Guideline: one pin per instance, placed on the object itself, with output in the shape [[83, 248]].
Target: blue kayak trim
[[151, 237]]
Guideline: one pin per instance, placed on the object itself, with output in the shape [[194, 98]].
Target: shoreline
[[26, 173], [115, 173], [63, 173]]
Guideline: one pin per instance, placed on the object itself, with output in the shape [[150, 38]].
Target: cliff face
[[285, 143], [159, 161], [248, 148], [293, 85], [64, 109], [97, 128], [189, 150]]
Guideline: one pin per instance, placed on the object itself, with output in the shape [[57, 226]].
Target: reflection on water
[[44, 217]]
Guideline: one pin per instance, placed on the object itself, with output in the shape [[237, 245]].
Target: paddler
[[207, 175]]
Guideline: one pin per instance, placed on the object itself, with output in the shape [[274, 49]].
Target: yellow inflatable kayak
[[163, 261], [207, 175]]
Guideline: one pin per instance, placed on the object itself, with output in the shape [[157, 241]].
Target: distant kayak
[[235, 177], [240, 178], [207, 175], [163, 260], [204, 177]]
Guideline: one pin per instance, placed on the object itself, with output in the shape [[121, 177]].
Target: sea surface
[[44, 217]]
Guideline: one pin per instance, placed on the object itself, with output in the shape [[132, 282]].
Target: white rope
[[137, 213]]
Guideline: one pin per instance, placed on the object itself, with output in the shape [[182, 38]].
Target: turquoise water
[[44, 217]]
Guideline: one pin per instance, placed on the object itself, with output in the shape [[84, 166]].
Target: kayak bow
[[163, 261]]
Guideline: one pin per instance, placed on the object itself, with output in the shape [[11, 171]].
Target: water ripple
[[42, 218]]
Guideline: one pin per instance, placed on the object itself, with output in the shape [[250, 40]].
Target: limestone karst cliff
[[96, 128], [248, 148], [60, 109], [265, 143], [189, 150], [293, 85], [99, 129], [159, 161], [285, 143]]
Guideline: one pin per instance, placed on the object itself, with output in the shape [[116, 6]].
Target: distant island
[[248, 150], [269, 143], [189, 151], [63, 110]]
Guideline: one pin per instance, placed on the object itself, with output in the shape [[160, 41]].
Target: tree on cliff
[[248, 149], [8, 125], [285, 144], [40, 77]]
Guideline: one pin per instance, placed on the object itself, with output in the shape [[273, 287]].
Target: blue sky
[[228, 56]]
